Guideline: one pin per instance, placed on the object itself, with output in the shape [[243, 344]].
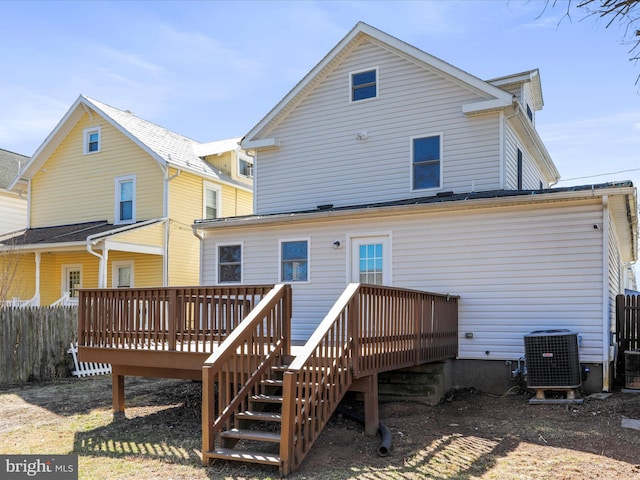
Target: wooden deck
[[237, 341]]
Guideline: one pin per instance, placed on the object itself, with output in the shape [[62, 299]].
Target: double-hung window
[[125, 199], [364, 84], [426, 162], [91, 140], [229, 263], [211, 206], [294, 261]]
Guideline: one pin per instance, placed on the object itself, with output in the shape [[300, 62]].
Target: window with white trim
[[122, 274], [230, 263], [211, 207], [294, 261], [92, 140], [363, 84], [245, 166], [125, 209], [426, 162]]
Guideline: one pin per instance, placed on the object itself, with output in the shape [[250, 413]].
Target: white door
[[370, 260]]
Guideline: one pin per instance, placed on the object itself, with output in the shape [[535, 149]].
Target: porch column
[[37, 292]]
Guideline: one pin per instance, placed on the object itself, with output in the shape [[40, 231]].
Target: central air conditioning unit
[[552, 359]]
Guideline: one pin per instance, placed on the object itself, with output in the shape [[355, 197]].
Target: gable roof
[[163, 145], [10, 164], [495, 96], [530, 76]]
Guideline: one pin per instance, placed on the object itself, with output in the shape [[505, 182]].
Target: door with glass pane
[[370, 260], [72, 278]]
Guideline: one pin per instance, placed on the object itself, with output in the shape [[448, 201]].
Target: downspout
[[503, 140], [606, 324], [37, 292], [101, 266], [201, 238], [167, 224]]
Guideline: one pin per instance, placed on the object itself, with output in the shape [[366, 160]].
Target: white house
[[13, 200], [387, 165]]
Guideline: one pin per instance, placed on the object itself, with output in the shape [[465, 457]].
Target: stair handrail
[[317, 379], [255, 344]]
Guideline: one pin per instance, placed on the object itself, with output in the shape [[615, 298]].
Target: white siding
[[320, 161], [531, 175], [13, 212], [516, 269]]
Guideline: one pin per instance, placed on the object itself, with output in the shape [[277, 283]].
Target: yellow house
[[111, 201]]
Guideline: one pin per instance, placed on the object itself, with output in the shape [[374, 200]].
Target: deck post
[[208, 412], [117, 390], [371, 414]]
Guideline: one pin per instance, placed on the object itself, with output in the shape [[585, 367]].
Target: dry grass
[[472, 436]]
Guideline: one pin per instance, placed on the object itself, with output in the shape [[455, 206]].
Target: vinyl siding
[[17, 275], [501, 261], [615, 285], [73, 188], [13, 212], [531, 175], [321, 161], [51, 273], [153, 235]]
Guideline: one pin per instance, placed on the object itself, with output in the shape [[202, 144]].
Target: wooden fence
[[34, 343], [627, 330]]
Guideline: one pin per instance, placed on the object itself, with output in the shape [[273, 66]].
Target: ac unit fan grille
[[552, 360]]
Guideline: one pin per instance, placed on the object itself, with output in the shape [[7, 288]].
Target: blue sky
[[211, 69]]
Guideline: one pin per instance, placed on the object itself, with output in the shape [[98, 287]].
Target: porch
[[256, 386]]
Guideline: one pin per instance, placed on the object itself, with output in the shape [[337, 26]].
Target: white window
[[212, 207], [125, 209], [426, 162], [294, 261], [71, 279], [245, 166], [122, 274], [363, 84], [230, 263], [92, 140]]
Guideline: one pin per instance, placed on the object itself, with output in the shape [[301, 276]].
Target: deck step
[[271, 382], [244, 456], [262, 398], [260, 416], [258, 435]]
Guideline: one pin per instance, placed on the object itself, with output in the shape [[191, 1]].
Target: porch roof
[[66, 234]]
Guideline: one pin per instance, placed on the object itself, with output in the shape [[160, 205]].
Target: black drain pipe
[[385, 443]]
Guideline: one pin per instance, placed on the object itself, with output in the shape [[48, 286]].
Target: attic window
[[529, 112], [92, 141], [364, 84]]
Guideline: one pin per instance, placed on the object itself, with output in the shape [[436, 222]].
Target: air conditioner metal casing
[[552, 359]]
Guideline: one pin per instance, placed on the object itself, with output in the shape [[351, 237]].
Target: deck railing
[[370, 329], [185, 319], [237, 368]]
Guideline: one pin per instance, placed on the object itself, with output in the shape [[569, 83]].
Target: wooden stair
[[255, 437]]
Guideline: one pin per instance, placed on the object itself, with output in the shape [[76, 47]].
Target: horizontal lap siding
[[320, 160], [13, 212], [516, 270], [531, 176], [72, 187]]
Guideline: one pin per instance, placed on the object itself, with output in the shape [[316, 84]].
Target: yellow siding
[[51, 273], [153, 235], [236, 202], [73, 188], [17, 276], [147, 269], [185, 205], [224, 162]]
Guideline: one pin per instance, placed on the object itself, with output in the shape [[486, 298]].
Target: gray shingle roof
[[10, 164], [77, 232], [175, 149]]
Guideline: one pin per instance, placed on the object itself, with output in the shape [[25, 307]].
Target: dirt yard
[[470, 435]]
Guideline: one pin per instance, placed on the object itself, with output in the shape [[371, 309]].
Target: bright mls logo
[[51, 467]]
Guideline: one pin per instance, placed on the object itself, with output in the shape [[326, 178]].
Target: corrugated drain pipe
[[385, 443]]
